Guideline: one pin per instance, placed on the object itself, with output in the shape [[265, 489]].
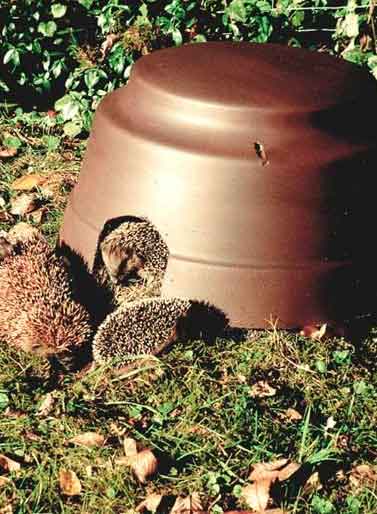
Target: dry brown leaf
[[189, 504], [88, 439], [288, 471], [292, 415], [28, 182], [23, 204], [313, 332], [259, 470], [129, 447], [106, 46], [69, 483], [46, 406], [257, 494], [144, 465], [5, 216], [4, 481], [263, 475], [151, 503], [39, 215], [6, 153], [7, 509], [31, 436], [8, 465], [262, 389], [362, 475], [313, 484]]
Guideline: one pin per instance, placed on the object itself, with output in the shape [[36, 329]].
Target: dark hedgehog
[[37, 311], [150, 325], [132, 255]]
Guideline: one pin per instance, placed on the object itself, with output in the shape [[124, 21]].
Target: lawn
[[204, 415]]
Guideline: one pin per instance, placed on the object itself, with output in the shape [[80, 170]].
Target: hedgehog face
[[202, 321], [6, 247], [122, 263]]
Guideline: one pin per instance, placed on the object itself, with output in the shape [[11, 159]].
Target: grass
[[195, 407]]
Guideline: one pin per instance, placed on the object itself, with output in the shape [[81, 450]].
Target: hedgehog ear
[[113, 258]]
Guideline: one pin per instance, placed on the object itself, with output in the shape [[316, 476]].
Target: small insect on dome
[[257, 165]]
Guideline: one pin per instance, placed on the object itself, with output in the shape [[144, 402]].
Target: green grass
[[193, 407]]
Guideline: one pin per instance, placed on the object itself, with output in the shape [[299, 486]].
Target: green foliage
[[77, 51]]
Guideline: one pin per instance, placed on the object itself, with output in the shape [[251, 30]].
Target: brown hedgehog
[[150, 325], [131, 260], [38, 312]]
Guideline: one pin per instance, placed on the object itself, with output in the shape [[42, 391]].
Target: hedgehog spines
[[38, 313], [150, 325]]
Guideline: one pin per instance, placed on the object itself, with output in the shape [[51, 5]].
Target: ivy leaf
[[86, 3], [47, 28], [177, 37], [72, 129], [91, 78], [68, 107], [58, 10], [13, 56], [237, 11]]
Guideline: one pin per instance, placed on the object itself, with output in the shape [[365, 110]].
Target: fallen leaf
[[69, 483], [288, 471], [46, 406], [151, 503], [143, 464], [262, 389], [2, 202], [38, 216], [5, 216], [116, 430], [313, 484], [313, 332], [88, 439], [28, 182], [259, 470], [7, 509], [6, 153], [4, 481], [23, 204], [362, 475], [129, 446], [189, 503], [263, 475], [31, 436], [108, 44], [291, 414], [256, 495], [8, 465]]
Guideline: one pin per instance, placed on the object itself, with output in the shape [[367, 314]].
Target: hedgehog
[[21, 236], [132, 260], [38, 312], [150, 325]]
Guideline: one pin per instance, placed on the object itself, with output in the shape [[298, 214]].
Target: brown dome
[[186, 144]]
